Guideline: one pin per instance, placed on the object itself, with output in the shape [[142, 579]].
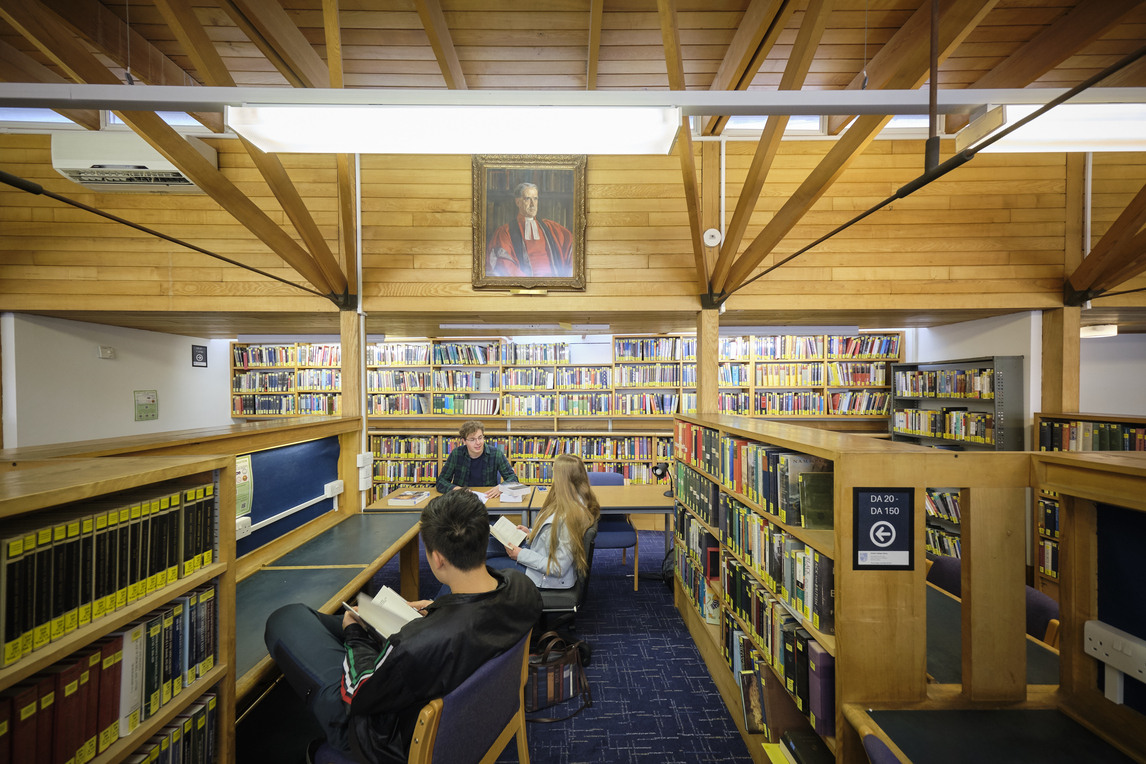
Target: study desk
[[633, 499], [1016, 736], [945, 644], [494, 506], [329, 568]]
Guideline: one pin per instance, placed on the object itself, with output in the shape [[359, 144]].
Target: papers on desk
[[481, 495]]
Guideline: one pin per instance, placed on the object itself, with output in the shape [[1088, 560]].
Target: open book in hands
[[384, 613], [506, 532]]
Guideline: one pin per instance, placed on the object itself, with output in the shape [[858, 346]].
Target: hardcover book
[[384, 613], [407, 498]]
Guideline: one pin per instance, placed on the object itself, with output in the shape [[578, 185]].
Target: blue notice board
[[884, 523]]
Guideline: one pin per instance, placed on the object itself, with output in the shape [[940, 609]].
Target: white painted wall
[[1112, 378], [1018, 334], [57, 389]]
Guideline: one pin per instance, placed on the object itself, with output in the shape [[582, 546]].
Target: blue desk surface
[[312, 574], [1015, 736], [945, 645]]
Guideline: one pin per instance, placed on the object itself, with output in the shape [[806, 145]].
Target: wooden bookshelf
[[833, 381], [879, 640], [1079, 433], [36, 492]]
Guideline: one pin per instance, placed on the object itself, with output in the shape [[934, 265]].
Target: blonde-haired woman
[[554, 550]]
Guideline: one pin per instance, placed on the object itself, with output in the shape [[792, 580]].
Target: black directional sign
[[883, 538]]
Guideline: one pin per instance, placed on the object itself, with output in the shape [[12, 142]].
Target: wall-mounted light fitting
[[1098, 330]]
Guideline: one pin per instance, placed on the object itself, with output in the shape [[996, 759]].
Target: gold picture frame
[[509, 250]]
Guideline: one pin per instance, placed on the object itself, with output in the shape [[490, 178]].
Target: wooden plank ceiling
[[574, 45]]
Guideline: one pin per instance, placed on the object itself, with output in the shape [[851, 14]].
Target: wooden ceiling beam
[[344, 163], [795, 71], [205, 57], [1133, 254], [47, 32], [1078, 27], [17, 66], [906, 69], [270, 28], [670, 35], [596, 18], [116, 40], [757, 32], [905, 43], [434, 22], [1113, 252]]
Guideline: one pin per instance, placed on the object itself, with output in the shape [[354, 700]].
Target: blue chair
[[473, 723], [616, 531], [878, 751], [947, 573], [1042, 617]]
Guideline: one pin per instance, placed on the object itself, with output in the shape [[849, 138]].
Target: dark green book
[[817, 509]]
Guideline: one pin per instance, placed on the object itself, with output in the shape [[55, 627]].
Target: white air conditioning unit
[[104, 161]]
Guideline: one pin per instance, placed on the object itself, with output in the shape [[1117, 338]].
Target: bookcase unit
[[1080, 433], [81, 491], [838, 380], [728, 530], [405, 457], [973, 403]]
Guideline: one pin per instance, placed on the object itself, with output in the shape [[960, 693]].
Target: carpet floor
[[653, 699]]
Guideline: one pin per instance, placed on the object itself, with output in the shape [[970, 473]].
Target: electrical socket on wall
[[242, 528], [105, 351], [1123, 653]]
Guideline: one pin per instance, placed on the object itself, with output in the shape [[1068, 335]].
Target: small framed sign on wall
[[199, 355]]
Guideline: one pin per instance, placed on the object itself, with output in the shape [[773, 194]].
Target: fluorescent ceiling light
[[445, 129], [1069, 127], [1098, 330]]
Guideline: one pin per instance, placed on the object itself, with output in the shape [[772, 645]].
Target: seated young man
[[367, 695], [474, 464]]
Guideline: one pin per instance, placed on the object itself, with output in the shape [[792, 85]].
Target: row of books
[[535, 352], [791, 374], [319, 379], [647, 375], [697, 493], [62, 570], [405, 471], [325, 354], [263, 382], [697, 446], [584, 404], [942, 504], [524, 379], [78, 708], [382, 404], [400, 446], [529, 405], [946, 383], [858, 403], [788, 346], [398, 354], [327, 404], [969, 426], [447, 380], [628, 447], [785, 651], [776, 562], [772, 403], [396, 381], [245, 356], [1048, 517], [466, 353], [943, 543], [701, 590], [647, 349], [263, 405], [857, 373], [585, 378], [1090, 436], [646, 404], [863, 346], [191, 738], [464, 405], [770, 476], [1048, 557]]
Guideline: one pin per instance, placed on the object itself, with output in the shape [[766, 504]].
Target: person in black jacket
[[366, 694]]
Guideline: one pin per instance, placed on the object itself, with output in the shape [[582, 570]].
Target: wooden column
[[1060, 372], [353, 404], [707, 356]]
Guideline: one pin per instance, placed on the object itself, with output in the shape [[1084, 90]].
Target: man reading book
[[367, 694]]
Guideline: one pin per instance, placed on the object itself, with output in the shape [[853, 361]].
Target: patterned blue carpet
[[653, 700]]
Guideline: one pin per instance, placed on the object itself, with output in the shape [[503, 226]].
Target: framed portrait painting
[[529, 222]]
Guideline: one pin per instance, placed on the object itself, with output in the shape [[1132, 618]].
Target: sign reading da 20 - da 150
[[883, 529]]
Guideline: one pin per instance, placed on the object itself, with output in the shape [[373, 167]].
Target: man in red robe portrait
[[528, 246]]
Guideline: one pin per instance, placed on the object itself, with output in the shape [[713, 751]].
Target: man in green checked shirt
[[472, 464]]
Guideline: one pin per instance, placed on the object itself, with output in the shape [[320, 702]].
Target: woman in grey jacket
[[554, 550]]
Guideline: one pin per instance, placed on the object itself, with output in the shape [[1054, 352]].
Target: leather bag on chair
[[556, 676]]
